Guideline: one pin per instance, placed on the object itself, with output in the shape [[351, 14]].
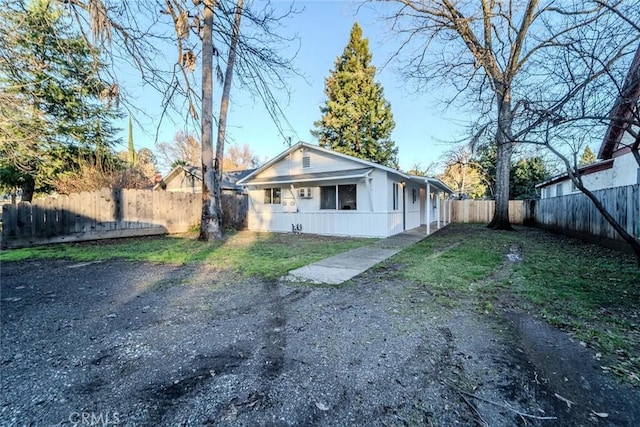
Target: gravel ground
[[121, 343]]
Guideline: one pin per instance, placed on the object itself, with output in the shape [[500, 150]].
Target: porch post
[[438, 207], [428, 208]]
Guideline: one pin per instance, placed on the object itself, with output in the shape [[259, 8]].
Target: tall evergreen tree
[[52, 97], [356, 118], [587, 157]]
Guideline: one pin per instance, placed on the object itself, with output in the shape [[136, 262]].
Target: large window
[[341, 197], [272, 196]]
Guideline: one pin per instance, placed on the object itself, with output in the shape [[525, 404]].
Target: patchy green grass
[[586, 289], [266, 255]]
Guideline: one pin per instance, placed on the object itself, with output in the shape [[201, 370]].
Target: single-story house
[[616, 165], [315, 190], [185, 178]]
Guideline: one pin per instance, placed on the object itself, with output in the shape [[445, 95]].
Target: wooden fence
[[572, 214], [104, 214], [575, 214], [465, 211]]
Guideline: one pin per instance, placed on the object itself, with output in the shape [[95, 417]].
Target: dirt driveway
[[120, 343]]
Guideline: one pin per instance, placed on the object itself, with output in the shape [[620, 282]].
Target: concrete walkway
[[342, 267]]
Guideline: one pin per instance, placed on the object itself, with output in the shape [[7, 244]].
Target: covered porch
[[435, 208]]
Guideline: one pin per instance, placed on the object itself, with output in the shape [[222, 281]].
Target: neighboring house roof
[[251, 179], [228, 182], [623, 110]]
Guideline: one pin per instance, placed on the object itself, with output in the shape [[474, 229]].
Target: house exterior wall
[[412, 206], [624, 171], [368, 220], [318, 162], [184, 182], [376, 213]]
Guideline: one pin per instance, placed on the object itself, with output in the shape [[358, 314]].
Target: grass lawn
[[589, 290], [265, 255]]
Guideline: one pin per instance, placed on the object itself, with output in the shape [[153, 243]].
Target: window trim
[[270, 198], [337, 206]]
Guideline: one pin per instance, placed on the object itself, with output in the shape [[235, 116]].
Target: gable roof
[[229, 179], [320, 176], [623, 110]]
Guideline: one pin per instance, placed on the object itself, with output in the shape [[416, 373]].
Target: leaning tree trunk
[[631, 241], [210, 225], [500, 220], [224, 103]]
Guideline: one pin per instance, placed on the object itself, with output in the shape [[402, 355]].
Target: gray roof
[[228, 182], [310, 177]]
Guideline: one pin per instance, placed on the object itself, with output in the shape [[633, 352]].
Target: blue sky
[[423, 129]]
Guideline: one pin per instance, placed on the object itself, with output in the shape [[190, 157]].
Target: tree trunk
[[632, 241], [224, 102], [210, 225], [500, 220], [28, 188]]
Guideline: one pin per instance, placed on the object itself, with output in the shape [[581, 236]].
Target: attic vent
[[306, 162]]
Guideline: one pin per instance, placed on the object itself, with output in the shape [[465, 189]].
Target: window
[[305, 193], [396, 193], [342, 197], [559, 190], [306, 162], [413, 193], [272, 196]]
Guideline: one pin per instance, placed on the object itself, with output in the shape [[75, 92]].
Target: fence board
[[481, 211], [572, 214], [576, 214], [98, 215]]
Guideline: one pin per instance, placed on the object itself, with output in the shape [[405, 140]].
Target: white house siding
[[413, 219], [373, 217], [184, 183], [624, 172], [347, 223], [319, 162]]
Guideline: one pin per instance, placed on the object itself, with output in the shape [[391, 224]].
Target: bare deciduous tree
[[589, 117], [239, 158], [502, 57], [462, 174], [185, 149], [134, 31]]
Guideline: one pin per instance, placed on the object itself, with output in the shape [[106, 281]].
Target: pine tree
[[587, 157], [52, 109], [356, 118]]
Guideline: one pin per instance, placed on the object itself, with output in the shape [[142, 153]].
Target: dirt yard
[[122, 343]]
